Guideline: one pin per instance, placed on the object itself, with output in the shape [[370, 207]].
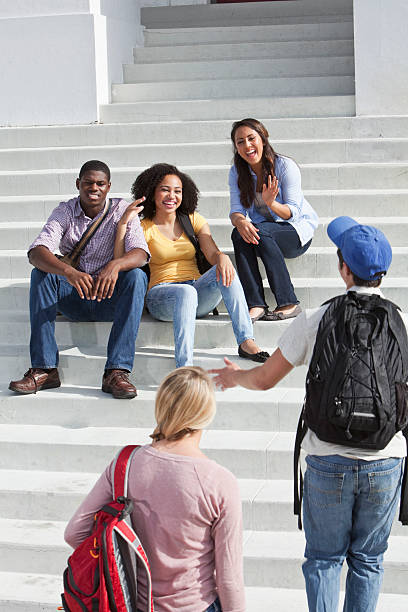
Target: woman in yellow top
[[177, 292]]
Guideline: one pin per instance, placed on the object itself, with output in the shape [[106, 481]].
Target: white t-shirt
[[296, 345]]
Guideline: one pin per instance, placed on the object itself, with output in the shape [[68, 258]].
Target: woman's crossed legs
[[183, 302]]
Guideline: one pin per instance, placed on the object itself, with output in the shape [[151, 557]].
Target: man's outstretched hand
[[224, 377]]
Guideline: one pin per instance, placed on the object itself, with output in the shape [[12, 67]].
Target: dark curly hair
[[147, 181], [245, 181], [95, 165]]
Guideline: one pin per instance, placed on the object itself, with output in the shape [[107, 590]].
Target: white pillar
[[381, 57], [59, 58]]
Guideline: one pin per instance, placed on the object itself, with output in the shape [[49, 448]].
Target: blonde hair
[[185, 402]]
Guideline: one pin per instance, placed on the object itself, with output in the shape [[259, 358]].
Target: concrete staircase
[[289, 64]]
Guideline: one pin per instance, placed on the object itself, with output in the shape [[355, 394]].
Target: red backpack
[[101, 572]]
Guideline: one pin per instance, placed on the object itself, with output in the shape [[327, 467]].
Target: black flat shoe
[[260, 316], [281, 316], [260, 357]]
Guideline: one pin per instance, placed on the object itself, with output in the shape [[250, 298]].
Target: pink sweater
[[187, 514]]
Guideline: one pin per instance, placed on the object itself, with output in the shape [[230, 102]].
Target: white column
[[381, 56], [60, 58]]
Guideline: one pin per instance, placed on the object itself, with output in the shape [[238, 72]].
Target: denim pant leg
[[176, 302], [278, 241], [215, 606], [379, 488], [49, 292], [328, 499], [125, 309], [209, 292], [349, 506], [248, 271]]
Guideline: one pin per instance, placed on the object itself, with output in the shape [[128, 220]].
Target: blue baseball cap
[[365, 249]]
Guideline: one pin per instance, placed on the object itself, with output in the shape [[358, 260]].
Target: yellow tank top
[[171, 260]]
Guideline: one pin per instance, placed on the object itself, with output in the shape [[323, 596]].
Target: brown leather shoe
[[117, 382], [36, 379]]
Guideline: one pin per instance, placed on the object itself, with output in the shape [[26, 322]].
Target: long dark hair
[[245, 180], [147, 181]]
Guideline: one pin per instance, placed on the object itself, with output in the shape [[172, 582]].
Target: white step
[[276, 409], [232, 88], [274, 559], [54, 495], [248, 454], [211, 332], [267, 505], [20, 592], [189, 71], [244, 50], [245, 14], [147, 133], [303, 151], [327, 203], [270, 559], [311, 292], [314, 263], [39, 593], [230, 108], [332, 176], [331, 30], [84, 365]]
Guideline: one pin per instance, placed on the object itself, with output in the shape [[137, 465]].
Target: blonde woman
[[187, 508]]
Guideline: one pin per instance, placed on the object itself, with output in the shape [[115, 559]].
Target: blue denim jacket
[[304, 219]]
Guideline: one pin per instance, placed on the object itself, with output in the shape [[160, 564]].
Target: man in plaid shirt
[[100, 289]]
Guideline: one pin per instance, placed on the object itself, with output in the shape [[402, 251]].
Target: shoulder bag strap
[[88, 233], [187, 226], [188, 229], [120, 470]]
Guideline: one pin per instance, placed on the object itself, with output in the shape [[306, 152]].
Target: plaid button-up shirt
[[67, 223]]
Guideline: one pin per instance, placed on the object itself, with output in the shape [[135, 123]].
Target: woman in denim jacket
[[272, 219]]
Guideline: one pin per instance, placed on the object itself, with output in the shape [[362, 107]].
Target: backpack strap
[[399, 331], [133, 541], [120, 470], [297, 471], [403, 514]]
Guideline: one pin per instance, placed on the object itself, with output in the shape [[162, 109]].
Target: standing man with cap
[[351, 494]]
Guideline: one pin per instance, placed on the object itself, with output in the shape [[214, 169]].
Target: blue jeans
[[50, 292], [276, 241], [183, 302], [348, 510], [215, 607]]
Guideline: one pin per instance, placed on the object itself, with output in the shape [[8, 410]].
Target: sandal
[[281, 316], [260, 357]]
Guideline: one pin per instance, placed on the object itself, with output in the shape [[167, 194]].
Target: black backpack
[[356, 385]]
